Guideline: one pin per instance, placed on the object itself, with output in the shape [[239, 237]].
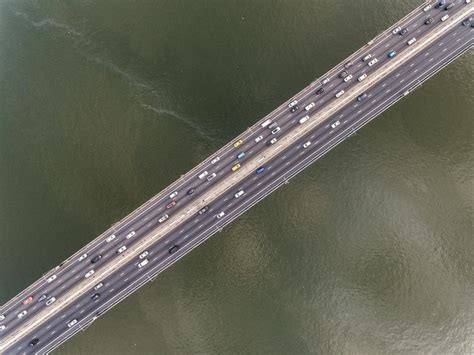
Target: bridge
[[68, 298]]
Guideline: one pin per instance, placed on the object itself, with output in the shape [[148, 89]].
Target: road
[[290, 160]]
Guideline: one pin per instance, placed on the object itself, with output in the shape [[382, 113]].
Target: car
[[271, 141], [310, 106], [440, 3], [50, 301], [51, 278], [190, 191], [372, 62], [2, 327], [273, 125], [82, 257], [143, 255], [72, 323], [307, 144], [367, 57], [95, 296], [292, 103], [171, 204], [266, 123], [33, 342], [294, 108], [173, 249], [303, 119], [121, 249], [340, 93], [220, 215], [238, 143], [239, 193], [163, 218], [2, 316], [258, 139], [320, 91], [450, 6], [129, 235], [43, 297], [212, 176], [444, 18], [362, 77], [411, 41], [96, 258], [110, 238], [89, 273], [427, 8], [325, 81], [403, 31], [143, 263], [260, 170], [429, 20], [236, 167], [203, 210], [396, 30], [99, 285], [391, 54], [361, 97], [28, 300], [347, 78], [203, 174], [466, 23], [276, 130], [240, 155], [174, 194], [348, 65], [335, 124], [467, 1], [22, 314], [215, 160], [343, 74]]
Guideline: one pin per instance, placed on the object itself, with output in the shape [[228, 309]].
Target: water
[[104, 103]]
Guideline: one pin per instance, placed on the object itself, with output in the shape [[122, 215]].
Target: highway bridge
[[200, 203]]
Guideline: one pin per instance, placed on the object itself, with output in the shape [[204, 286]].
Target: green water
[[104, 103]]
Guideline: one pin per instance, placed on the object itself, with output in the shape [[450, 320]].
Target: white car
[[99, 285], [82, 257], [273, 141], [163, 218], [215, 160], [325, 81], [220, 215], [143, 255], [143, 263], [362, 77], [303, 119], [51, 278], [276, 130], [427, 7], [413, 40], [50, 301], [89, 274], [121, 249], [444, 18], [22, 314], [71, 323], [335, 124], [110, 238], [239, 193], [372, 62], [396, 30], [347, 78], [367, 57], [307, 144], [292, 103], [468, 1], [340, 93], [2, 316], [212, 176], [258, 139], [131, 234], [2, 327], [203, 174], [310, 106], [173, 195]]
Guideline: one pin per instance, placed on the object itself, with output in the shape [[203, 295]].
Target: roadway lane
[[163, 254]]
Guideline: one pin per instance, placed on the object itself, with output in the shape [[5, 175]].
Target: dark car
[[348, 65], [260, 170], [190, 191], [439, 4], [450, 6], [362, 97], [174, 249], [429, 20], [466, 23], [33, 342], [203, 210], [320, 91], [96, 258], [403, 31], [294, 108], [43, 297], [343, 74], [95, 296]]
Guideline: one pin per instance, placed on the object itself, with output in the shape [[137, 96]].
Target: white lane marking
[[401, 81], [357, 112], [441, 44], [149, 224], [187, 235], [427, 54], [63, 316], [388, 44], [123, 273], [288, 162], [125, 279], [49, 326], [181, 231], [415, 71], [384, 85], [251, 152], [398, 74], [444, 50], [200, 226], [431, 59], [412, 64], [259, 184], [82, 311], [226, 199], [458, 39], [78, 305]]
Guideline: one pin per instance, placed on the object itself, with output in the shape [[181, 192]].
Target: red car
[[171, 204], [28, 300]]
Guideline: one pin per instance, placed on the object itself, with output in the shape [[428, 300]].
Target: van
[[340, 93], [444, 18], [266, 123], [413, 40], [450, 6], [303, 120], [236, 167], [203, 174]]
